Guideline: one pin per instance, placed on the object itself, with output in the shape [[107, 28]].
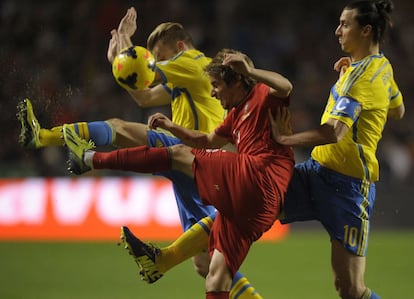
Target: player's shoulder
[[373, 65]]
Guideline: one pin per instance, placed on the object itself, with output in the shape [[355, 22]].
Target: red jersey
[[246, 187], [248, 127]]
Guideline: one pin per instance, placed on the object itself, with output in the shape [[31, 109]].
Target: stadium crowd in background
[[55, 53]]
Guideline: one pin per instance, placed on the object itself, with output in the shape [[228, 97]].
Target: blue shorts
[[190, 207], [341, 203]]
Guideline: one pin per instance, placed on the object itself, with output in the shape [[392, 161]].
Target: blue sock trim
[[374, 296], [213, 215], [100, 132], [236, 278], [204, 226]]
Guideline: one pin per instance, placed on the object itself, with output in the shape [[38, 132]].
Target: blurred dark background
[[54, 52]]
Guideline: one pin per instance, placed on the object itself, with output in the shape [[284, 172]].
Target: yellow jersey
[[360, 98], [192, 106]]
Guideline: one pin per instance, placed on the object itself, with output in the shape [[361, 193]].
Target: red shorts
[[246, 194]]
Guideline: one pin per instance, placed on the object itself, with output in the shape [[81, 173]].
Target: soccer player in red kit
[[246, 187]]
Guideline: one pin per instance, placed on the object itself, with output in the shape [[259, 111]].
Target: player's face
[[227, 95], [349, 31], [164, 51]]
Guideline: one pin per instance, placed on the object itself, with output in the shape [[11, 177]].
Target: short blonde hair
[[169, 32]]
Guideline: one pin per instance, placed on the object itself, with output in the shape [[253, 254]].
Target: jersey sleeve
[[347, 110], [396, 98], [178, 71]]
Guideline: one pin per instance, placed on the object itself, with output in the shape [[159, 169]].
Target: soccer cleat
[[30, 128], [144, 255], [77, 148]]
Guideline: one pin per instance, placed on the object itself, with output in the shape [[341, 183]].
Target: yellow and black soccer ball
[[133, 68]]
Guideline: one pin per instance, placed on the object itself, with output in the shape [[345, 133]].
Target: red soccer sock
[[139, 159], [217, 295]]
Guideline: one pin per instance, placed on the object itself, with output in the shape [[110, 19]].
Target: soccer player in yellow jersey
[[337, 184], [182, 83]]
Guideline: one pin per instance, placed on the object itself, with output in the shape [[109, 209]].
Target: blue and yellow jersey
[[360, 98], [184, 78]]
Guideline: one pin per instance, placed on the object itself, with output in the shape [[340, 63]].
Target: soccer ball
[[133, 68]]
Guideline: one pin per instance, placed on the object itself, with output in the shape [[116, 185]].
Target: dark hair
[[216, 69], [168, 32], [375, 13]]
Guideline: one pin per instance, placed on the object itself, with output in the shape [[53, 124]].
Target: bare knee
[[128, 133], [182, 159], [115, 122], [118, 126]]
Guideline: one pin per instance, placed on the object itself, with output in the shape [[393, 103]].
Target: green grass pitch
[[297, 267]]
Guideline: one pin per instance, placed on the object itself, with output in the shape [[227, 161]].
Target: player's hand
[[342, 64], [281, 125], [159, 120], [238, 63], [113, 46], [128, 24]]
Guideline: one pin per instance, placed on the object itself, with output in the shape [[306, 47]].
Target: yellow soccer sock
[[54, 136], [51, 137], [190, 243], [82, 129], [242, 289]]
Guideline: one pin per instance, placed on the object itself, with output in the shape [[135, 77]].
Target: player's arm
[[151, 97], [121, 37], [112, 47], [397, 113], [330, 132], [189, 137], [126, 29], [279, 85]]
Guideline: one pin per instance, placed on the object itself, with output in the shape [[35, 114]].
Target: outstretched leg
[[111, 132], [141, 159], [153, 262]]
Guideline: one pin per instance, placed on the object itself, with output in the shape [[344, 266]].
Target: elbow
[[141, 103], [397, 113], [286, 90], [289, 88], [141, 99]]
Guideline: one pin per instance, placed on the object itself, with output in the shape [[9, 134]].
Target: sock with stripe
[[51, 137], [190, 243], [242, 289], [141, 159], [100, 132]]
